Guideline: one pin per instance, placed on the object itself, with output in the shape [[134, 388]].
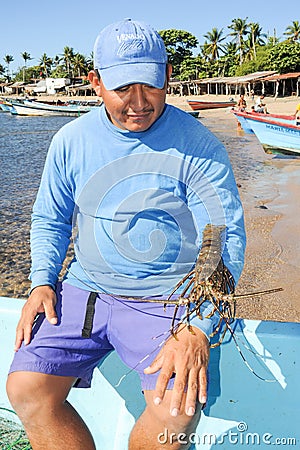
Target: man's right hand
[[41, 300]]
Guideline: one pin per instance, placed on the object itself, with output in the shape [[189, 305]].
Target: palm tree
[[26, 56], [205, 51], [68, 55], [230, 58], [256, 38], [8, 59], [239, 29], [57, 60], [293, 31], [2, 70], [90, 61], [213, 45], [79, 64], [45, 64]]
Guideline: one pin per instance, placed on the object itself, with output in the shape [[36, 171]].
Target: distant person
[[241, 104], [297, 114], [260, 106]]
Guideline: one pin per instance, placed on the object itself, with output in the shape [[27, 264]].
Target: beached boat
[[242, 116], [199, 104], [31, 108], [275, 136], [241, 408], [6, 106]]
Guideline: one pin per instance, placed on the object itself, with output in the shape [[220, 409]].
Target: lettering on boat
[[280, 129], [275, 128]]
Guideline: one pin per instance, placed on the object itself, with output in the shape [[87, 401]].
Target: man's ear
[[94, 80], [169, 71]]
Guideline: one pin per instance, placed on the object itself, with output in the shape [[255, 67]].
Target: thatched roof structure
[[260, 82], [286, 82], [81, 89]]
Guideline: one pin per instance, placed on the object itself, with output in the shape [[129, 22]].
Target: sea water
[[23, 147]]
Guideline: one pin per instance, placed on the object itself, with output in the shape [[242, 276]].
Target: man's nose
[[138, 99]]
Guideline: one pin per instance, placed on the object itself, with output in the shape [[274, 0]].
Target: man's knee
[[30, 392], [157, 428], [162, 413]]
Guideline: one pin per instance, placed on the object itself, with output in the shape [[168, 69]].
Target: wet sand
[[272, 211]]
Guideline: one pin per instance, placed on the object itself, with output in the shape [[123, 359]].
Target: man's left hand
[[188, 358]]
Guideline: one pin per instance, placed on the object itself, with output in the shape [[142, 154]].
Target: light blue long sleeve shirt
[[138, 203]]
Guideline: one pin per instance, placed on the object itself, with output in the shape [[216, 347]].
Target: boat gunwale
[[264, 119]]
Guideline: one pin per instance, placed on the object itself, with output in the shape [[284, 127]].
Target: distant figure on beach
[[260, 105], [252, 94], [297, 114], [137, 180], [241, 104]]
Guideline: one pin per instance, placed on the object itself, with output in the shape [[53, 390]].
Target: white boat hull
[[36, 109]]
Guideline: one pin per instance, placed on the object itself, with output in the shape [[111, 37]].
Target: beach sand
[[272, 211]]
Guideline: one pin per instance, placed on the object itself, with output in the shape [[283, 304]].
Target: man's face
[[134, 107]]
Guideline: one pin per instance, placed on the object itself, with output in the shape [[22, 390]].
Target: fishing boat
[[199, 104], [242, 116], [275, 136], [31, 108], [241, 407], [6, 106]]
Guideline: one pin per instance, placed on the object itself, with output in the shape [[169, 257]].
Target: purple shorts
[[127, 326]]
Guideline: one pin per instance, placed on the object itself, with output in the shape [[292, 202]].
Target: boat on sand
[[240, 406], [242, 116], [199, 104], [275, 135]]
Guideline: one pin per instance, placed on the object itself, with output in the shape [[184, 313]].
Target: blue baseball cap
[[130, 52]]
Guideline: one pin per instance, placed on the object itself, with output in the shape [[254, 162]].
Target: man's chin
[[138, 126]]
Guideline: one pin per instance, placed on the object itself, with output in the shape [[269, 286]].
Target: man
[[297, 114], [260, 106], [241, 104], [137, 180]]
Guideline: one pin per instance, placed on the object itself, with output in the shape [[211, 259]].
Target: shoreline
[[279, 105]]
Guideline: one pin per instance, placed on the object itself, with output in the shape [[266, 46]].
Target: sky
[[47, 27]]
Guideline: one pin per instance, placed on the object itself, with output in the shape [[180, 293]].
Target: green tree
[[257, 37], [68, 56], [57, 60], [230, 60], [8, 59], [213, 44], [245, 68], [26, 56], [284, 57], [239, 29], [179, 45], [293, 31], [2, 70], [59, 70], [90, 62], [189, 69], [45, 64], [79, 64]]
